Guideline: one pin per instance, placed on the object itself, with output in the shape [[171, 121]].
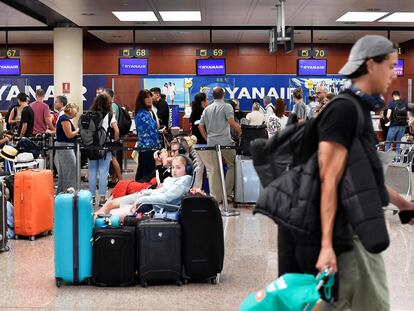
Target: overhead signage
[[211, 52], [311, 67], [134, 52], [10, 67], [313, 53], [399, 68], [211, 67], [133, 66], [10, 52]]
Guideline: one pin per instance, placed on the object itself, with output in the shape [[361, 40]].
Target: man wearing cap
[[362, 277]]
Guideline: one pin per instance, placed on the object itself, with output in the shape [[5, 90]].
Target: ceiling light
[[134, 16], [399, 17], [181, 16], [361, 16]]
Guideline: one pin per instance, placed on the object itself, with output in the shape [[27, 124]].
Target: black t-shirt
[[27, 117], [163, 112], [195, 116], [340, 120]]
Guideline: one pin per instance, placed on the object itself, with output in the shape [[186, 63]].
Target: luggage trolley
[[403, 157]]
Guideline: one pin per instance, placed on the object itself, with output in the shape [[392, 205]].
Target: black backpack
[[288, 148], [124, 121], [399, 114], [27, 145], [8, 125], [93, 133]]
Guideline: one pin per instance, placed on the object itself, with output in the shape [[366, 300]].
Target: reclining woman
[[171, 191], [163, 162]]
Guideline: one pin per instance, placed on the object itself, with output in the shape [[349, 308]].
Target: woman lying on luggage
[[171, 192], [163, 160]]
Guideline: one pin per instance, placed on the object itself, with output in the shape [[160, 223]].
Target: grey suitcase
[[247, 185]]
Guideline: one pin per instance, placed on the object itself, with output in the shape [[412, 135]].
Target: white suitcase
[[247, 186]]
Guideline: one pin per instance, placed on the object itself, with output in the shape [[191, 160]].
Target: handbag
[[290, 292], [167, 211]]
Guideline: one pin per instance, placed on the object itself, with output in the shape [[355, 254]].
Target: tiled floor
[[27, 273]]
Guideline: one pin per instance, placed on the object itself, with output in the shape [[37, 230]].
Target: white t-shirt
[[255, 118], [105, 121]]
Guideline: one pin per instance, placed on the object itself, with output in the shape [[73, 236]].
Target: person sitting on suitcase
[[171, 192]]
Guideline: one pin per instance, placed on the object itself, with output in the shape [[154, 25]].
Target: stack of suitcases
[[145, 250]]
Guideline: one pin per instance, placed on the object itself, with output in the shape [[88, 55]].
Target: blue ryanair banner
[[10, 86], [181, 89]]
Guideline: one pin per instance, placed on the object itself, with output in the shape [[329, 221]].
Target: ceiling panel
[[10, 17], [153, 36], [30, 37]]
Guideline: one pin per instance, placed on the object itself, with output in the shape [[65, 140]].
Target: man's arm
[[23, 130], [389, 111], [202, 129], [400, 202], [332, 160], [236, 126], [49, 123]]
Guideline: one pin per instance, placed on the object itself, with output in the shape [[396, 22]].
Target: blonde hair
[[71, 108], [256, 106]]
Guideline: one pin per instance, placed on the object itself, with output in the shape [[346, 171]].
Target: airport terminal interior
[[251, 52]]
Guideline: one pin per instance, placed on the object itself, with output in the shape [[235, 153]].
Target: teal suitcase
[[73, 234]]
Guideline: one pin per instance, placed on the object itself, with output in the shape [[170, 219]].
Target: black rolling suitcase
[[113, 256], [203, 238], [3, 219], [159, 251]]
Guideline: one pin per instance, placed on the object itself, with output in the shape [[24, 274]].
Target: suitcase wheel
[[144, 284], [185, 281], [50, 232], [58, 282], [213, 280], [178, 283], [32, 238]]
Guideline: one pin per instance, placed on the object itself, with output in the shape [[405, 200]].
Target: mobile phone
[[406, 216]]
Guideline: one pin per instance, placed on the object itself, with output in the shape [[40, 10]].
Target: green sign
[[10, 52], [134, 52], [211, 52], [312, 53]]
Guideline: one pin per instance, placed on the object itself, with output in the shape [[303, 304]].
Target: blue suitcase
[[73, 234]]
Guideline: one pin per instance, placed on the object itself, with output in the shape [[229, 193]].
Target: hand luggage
[[159, 251], [73, 233], [33, 202], [203, 239], [113, 256], [249, 133], [247, 186], [3, 219]]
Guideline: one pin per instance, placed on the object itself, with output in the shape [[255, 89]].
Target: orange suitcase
[[33, 202]]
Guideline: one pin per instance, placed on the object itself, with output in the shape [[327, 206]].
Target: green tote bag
[[290, 292]]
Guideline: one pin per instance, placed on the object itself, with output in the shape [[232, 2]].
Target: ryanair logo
[[211, 67], [135, 66], [9, 67]]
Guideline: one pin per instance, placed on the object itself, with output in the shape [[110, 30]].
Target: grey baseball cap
[[366, 47]]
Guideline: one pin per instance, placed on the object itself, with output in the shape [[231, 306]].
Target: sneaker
[[102, 202]]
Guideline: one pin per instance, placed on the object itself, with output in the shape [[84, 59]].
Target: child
[[171, 192]]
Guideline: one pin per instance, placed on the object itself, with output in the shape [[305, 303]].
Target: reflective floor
[[27, 272]]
